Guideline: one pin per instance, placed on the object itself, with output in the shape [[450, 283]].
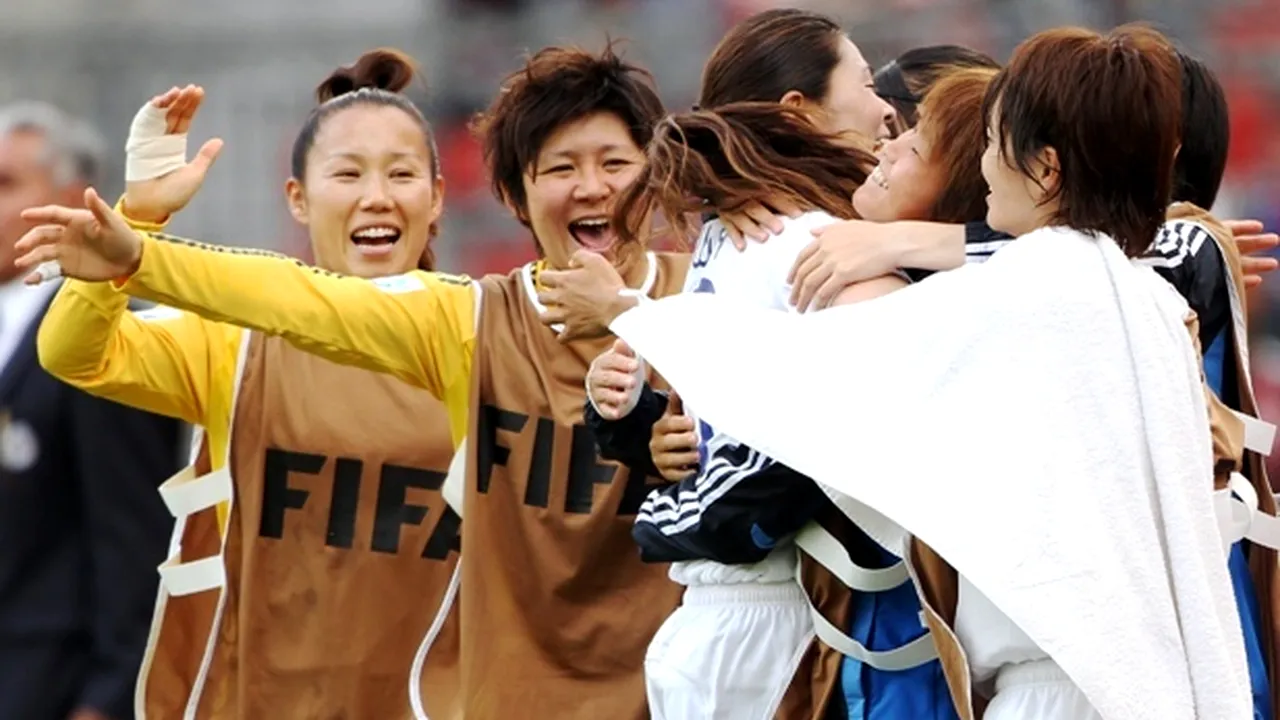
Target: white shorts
[[1027, 683], [1038, 689], [728, 652]]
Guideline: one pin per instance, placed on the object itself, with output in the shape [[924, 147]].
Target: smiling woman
[[366, 184], [558, 159], [1063, 601], [581, 167], [931, 171], [366, 174]]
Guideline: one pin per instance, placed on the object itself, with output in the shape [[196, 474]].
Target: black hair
[[1206, 133]]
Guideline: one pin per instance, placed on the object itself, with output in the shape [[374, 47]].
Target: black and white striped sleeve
[[732, 517], [1186, 255]]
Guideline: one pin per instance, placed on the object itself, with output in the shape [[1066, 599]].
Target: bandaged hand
[[674, 442], [158, 179], [614, 381]]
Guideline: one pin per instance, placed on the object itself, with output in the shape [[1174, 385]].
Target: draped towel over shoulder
[[1038, 420]]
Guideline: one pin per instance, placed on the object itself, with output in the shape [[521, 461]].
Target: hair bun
[[382, 69]]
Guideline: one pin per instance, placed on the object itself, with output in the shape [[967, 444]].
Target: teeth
[[592, 223], [376, 233], [877, 177]]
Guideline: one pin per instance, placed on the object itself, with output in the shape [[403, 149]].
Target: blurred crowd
[[260, 62]]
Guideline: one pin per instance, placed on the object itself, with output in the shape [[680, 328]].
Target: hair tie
[[696, 107]]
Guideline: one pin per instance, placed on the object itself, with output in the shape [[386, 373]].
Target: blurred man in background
[[82, 527]]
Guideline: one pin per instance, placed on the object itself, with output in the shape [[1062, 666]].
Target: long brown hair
[[742, 152], [770, 54]]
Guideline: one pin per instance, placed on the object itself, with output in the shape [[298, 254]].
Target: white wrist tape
[[640, 295], [50, 270], [150, 152]]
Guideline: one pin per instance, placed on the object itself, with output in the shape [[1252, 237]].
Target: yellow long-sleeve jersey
[[419, 326], [161, 360]]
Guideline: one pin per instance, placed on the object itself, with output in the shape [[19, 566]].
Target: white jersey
[[757, 275]]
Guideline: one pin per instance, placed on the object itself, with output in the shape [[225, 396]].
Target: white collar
[[17, 299], [20, 305]]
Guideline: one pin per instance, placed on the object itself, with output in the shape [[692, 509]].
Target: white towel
[[1037, 419]]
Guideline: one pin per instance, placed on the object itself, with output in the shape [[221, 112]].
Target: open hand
[[92, 244], [841, 254], [1251, 239]]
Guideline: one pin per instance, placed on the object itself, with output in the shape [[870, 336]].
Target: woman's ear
[[296, 199], [437, 198], [1050, 170], [794, 98]]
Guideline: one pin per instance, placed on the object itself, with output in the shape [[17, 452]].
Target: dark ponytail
[[383, 69]]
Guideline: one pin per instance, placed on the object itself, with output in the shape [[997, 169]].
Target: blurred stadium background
[[260, 59]]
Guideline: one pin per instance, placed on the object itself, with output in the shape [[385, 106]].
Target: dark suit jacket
[[82, 530]]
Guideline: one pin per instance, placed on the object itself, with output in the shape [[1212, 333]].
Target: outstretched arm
[[161, 360], [852, 251], [418, 326]]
